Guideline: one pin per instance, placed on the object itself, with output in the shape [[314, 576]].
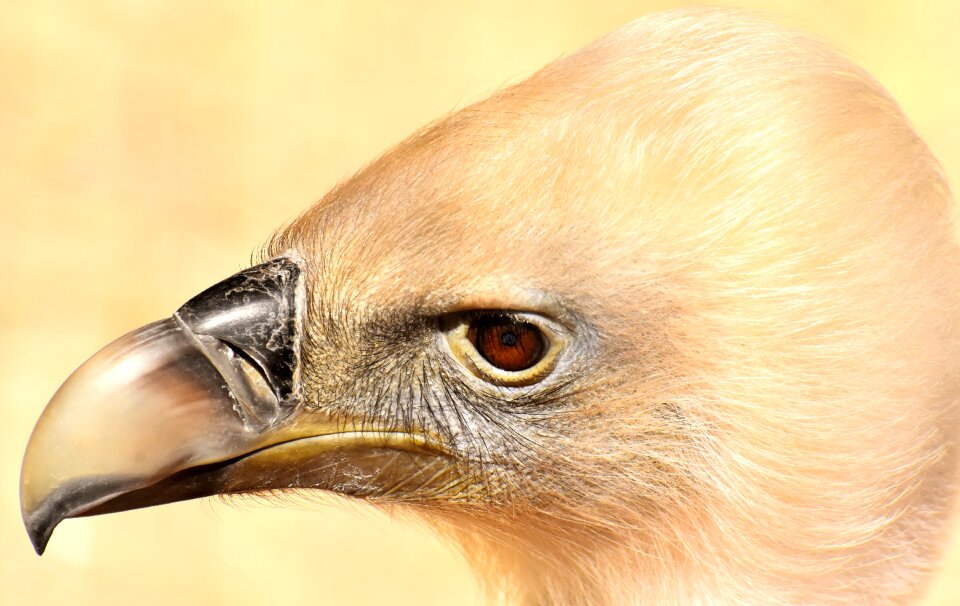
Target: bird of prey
[[673, 321]]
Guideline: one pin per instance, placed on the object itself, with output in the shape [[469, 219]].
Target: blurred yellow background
[[147, 147]]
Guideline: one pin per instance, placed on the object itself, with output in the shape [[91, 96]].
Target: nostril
[[254, 397]]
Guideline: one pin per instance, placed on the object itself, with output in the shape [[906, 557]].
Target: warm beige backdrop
[[146, 147]]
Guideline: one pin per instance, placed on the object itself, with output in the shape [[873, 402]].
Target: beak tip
[[39, 530], [42, 515], [39, 521]]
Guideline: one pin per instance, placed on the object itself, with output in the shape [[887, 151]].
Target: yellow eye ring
[[504, 348]]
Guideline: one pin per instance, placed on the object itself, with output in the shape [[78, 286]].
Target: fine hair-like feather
[[766, 250]]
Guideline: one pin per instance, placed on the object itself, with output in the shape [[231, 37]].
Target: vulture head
[[673, 321]]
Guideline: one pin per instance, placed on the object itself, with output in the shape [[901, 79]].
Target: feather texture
[[757, 251]]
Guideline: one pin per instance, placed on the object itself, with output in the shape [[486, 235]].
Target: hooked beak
[[206, 402]]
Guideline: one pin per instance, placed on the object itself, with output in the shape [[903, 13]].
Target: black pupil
[[509, 339]]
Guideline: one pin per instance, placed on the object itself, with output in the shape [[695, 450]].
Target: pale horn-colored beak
[[207, 385], [208, 402]]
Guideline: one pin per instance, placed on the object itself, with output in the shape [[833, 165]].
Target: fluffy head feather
[[757, 253]]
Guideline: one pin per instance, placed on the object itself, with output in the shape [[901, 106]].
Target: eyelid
[[456, 325], [533, 317], [522, 302]]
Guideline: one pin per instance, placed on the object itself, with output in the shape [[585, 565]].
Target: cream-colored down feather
[[764, 248]]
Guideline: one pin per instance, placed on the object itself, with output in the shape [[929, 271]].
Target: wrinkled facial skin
[[744, 261]]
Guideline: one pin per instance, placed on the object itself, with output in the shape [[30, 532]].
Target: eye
[[506, 348], [507, 344]]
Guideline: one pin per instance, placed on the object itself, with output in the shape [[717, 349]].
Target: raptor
[[673, 321]]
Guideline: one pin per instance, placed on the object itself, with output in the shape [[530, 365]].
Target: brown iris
[[505, 343]]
